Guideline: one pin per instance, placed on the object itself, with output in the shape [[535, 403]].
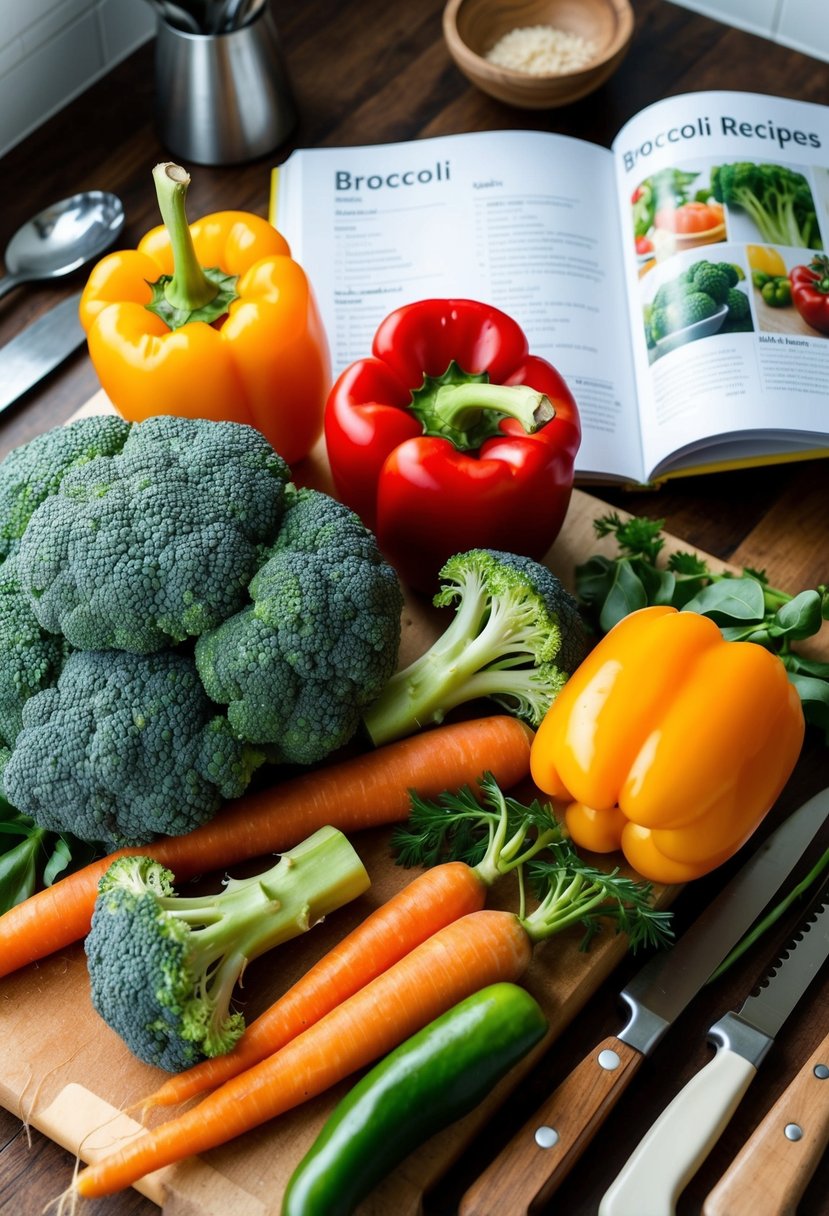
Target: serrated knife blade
[[681, 1138], [528, 1170], [39, 349]]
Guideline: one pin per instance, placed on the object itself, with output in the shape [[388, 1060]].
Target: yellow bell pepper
[[670, 743], [210, 320], [766, 259]]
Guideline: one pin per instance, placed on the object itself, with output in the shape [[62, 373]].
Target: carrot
[[465, 956], [365, 791], [425, 905]]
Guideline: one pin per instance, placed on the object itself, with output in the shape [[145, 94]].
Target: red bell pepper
[[810, 292], [452, 436]]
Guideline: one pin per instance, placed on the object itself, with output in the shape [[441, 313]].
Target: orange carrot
[[428, 903], [465, 956], [366, 791]]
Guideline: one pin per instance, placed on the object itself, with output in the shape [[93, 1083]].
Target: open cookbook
[[654, 275]]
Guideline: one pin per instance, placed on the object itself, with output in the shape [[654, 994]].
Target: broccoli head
[[158, 542], [123, 748], [711, 280], [777, 199], [163, 968], [34, 471], [318, 642], [32, 658], [515, 637]]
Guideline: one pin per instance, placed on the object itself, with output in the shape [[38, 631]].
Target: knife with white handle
[[686, 1131], [773, 1169], [528, 1170]]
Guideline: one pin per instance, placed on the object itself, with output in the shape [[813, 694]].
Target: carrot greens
[[501, 835]]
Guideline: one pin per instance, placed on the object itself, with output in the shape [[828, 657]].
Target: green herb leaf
[[626, 594], [738, 599], [801, 617]]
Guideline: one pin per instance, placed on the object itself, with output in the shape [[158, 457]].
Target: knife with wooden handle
[[529, 1169], [682, 1137], [773, 1169]]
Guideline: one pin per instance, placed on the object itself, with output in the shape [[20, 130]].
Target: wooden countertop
[[363, 72]]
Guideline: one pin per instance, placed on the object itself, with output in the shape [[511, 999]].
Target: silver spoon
[[62, 238]]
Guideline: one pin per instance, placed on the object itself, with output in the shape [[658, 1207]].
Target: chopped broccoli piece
[[124, 748], [515, 638], [738, 305], [32, 658], [156, 543], [163, 967], [297, 667], [697, 306], [34, 471], [712, 281], [777, 199]]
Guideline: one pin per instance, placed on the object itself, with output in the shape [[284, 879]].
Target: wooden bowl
[[472, 27]]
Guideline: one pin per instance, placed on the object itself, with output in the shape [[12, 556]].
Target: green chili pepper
[[434, 1078]]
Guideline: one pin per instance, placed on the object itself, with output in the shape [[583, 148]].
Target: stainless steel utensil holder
[[222, 99]]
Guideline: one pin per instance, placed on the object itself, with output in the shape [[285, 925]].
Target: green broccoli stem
[[189, 287], [252, 915], [460, 666], [468, 409]]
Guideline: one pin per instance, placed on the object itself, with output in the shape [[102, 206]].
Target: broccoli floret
[[124, 748], [515, 638], [692, 308], [738, 305], [163, 968], [34, 471], [712, 281], [32, 658], [777, 199], [297, 667], [157, 543]]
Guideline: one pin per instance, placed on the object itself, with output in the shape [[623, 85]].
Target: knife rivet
[[546, 1137], [793, 1131], [608, 1060], [822, 1071]]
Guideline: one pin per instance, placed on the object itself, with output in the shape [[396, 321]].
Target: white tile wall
[[51, 50], [801, 24]]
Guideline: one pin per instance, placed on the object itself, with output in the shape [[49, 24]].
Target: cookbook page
[[721, 196], [523, 220]]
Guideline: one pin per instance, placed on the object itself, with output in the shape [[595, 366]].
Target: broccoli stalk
[[515, 638], [163, 967]]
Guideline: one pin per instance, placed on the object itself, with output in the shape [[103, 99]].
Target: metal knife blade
[[540, 1155], [39, 349], [776, 1163], [681, 1138]]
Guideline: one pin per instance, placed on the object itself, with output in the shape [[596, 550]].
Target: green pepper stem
[[189, 288]]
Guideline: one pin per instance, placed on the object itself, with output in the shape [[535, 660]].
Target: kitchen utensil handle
[[680, 1139], [7, 282], [528, 1170], [771, 1171]]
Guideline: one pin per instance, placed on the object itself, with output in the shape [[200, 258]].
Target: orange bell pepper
[[670, 743], [210, 320]]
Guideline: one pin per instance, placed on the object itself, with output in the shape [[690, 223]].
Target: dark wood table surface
[[368, 71]]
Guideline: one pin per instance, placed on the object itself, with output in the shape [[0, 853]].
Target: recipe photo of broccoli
[[778, 201], [704, 291]]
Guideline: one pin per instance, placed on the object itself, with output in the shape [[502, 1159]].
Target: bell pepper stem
[[189, 288], [458, 407]]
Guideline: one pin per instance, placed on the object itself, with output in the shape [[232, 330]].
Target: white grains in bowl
[[541, 50]]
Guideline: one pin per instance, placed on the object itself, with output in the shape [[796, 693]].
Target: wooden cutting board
[[63, 1071]]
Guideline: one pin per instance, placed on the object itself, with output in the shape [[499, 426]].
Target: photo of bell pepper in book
[[781, 286]]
